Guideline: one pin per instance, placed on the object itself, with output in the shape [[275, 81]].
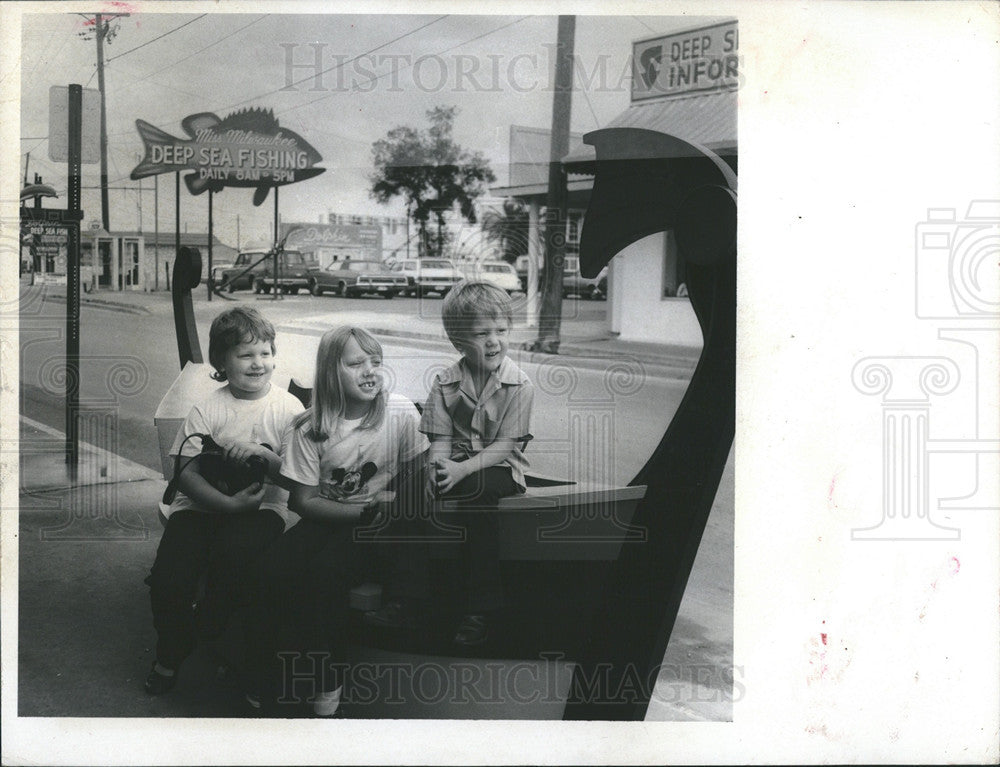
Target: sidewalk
[[582, 339], [85, 634]]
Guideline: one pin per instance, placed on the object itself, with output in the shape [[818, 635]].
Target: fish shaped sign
[[247, 148]]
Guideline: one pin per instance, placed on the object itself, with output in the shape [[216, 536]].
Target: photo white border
[[855, 118]]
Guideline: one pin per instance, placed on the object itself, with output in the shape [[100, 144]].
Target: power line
[[586, 97], [278, 90], [41, 58], [160, 37], [639, 19], [400, 69], [200, 50], [336, 67]]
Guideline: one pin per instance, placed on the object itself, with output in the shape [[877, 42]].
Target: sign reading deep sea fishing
[[247, 148]]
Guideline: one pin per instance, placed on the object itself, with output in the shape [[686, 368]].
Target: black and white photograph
[[407, 385]]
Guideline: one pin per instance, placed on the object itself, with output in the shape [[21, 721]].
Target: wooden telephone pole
[[102, 28], [550, 318]]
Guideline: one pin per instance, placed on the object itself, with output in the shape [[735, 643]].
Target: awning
[[706, 120]]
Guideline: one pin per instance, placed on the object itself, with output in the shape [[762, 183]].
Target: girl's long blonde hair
[[328, 401]]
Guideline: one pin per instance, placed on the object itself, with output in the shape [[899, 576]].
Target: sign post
[[208, 282], [73, 281], [277, 261]]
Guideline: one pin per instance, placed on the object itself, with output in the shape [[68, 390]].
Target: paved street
[[593, 418]]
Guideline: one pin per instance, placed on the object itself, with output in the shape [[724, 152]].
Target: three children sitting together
[[359, 453]]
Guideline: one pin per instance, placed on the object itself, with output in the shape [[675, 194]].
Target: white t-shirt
[[354, 464], [226, 419]]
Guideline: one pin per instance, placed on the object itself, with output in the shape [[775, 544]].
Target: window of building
[[573, 229]]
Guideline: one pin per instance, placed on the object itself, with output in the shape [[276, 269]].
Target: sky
[[380, 71]]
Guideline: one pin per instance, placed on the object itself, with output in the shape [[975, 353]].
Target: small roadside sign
[[90, 128]]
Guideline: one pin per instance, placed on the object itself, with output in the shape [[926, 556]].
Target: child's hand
[[241, 452], [430, 488], [448, 473], [248, 499], [377, 509]]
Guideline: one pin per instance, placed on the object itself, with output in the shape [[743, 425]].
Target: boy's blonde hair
[[472, 300], [241, 324]]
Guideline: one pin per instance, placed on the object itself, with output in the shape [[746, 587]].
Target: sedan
[[355, 278]]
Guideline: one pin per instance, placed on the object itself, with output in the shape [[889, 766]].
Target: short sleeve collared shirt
[[502, 410]]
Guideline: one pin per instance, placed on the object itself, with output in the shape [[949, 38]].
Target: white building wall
[[638, 312]]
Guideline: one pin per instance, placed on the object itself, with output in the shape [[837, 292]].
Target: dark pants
[[222, 547], [477, 497], [296, 630]]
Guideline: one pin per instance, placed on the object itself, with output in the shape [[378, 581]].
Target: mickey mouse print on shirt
[[346, 485]]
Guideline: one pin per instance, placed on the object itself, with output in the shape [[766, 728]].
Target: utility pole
[[156, 230], [103, 29], [105, 215], [555, 214]]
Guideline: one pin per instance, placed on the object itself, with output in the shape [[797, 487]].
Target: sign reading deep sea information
[[247, 148], [699, 60]]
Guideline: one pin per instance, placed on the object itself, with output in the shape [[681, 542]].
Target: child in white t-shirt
[[343, 454], [210, 529]]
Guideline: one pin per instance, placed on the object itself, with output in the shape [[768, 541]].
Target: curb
[[126, 470], [671, 366], [97, 303]]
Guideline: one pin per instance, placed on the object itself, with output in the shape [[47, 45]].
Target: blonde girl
[[345, 450]]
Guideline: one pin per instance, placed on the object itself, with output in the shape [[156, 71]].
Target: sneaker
[[393, 614], [327, 704], [472, 631], [157, 683]]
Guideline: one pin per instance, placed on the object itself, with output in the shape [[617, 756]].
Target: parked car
[[354, 278], [425, 275], [500, 273], [585, 287], [293, 266]]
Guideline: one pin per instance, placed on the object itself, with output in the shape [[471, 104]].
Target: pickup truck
[[255, 269]]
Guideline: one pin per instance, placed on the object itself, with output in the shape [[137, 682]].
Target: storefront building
[[135, 261], [684, 85]]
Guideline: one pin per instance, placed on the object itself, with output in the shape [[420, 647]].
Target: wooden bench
[[556, 519]]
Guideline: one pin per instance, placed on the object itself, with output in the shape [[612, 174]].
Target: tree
[[508, 227], [432, 173]]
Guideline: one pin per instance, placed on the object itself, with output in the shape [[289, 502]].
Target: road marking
[[124, 464]]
